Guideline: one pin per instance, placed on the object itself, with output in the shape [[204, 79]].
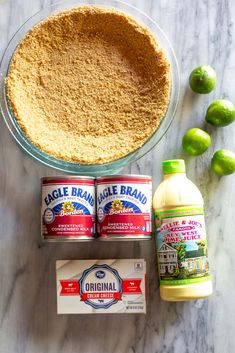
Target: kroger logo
[[98, 292], [100, 274]]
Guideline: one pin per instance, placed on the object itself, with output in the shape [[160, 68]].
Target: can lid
[[113, 176], [69, 177], [173, 166]]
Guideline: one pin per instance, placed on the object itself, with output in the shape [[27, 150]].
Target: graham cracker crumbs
[[88, 85]]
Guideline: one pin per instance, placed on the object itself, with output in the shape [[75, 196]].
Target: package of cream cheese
[[101, 286]]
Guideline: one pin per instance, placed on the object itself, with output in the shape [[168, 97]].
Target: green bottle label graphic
[[181, 246]]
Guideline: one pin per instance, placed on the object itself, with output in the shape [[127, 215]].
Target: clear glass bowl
[[77, 168]]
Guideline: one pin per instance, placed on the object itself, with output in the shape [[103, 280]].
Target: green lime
[[223, 162], [220, 113], [196, 141], [203, 79]]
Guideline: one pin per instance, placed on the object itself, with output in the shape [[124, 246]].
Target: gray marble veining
[[201, 32]]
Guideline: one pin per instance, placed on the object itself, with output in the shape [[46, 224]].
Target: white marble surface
[[201, 31]]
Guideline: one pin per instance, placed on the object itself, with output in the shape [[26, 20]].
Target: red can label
[[68, 208], [124, 206]]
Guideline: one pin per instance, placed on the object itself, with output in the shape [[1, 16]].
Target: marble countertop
[[201, 32]]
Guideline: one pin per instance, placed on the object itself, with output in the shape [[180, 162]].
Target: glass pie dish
[[74, 167]]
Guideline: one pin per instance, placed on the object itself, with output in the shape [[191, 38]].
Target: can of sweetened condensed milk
[[124, 207], [68, 208]]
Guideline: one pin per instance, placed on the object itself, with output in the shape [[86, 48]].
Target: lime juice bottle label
[[181, 246]]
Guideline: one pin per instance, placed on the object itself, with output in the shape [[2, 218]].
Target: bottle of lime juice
[[181, 236]]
